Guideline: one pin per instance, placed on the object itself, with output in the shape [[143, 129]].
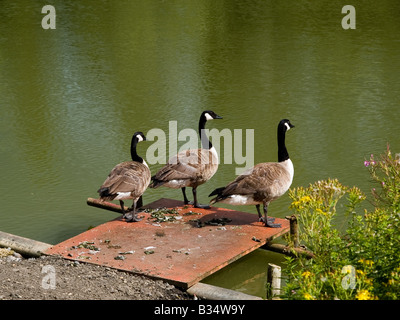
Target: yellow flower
[[361, 273], [308, 296], [305, 199], [368, 263], [306, 274], [364, 295], [296, 205], [321, 212]]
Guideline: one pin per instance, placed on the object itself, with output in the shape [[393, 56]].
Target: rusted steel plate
[[177, 251]]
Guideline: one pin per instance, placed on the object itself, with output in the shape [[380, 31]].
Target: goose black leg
[[121, 203], [269, 222], [185, 199], [139, 203], [196, 204], [131, 215], [260, 218]]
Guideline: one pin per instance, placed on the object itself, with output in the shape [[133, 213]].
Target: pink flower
[[366, 163]]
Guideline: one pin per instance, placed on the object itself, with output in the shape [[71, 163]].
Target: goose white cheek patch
[[140, 138]]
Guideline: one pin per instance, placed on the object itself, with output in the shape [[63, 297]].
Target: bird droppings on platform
[[181, 245]]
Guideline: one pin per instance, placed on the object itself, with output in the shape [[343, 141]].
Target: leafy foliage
[[363, 262]]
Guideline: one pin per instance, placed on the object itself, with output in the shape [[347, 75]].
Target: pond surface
[[71, 98]]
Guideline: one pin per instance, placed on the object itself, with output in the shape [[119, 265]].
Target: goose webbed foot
[[131, 217], [198, 205], [201, 206], [268, 221], [195, 202], [272, 225]]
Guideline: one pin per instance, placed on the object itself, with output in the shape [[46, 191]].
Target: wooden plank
[[178, 251]]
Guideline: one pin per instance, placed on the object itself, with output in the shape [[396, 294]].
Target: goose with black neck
[[190, 168], [262, 183], [128, 180]]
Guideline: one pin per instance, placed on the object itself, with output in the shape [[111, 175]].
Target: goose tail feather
[[218, 193]]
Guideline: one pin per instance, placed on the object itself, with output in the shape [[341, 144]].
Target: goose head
[[209, 115], [285, 125], [139, 136]]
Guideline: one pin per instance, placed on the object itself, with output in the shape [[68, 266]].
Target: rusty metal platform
[[178, 251]]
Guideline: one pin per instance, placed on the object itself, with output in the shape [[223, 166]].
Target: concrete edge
[[210, 292]]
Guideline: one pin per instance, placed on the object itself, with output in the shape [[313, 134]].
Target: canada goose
[[190, 168], [262, 183], [127, 180]]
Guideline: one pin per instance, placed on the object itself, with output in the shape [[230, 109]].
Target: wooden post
[[273, 281], [294, 230]]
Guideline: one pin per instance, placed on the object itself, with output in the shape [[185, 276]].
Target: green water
[[70, 98]]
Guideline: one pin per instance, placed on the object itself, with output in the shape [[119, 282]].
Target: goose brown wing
[[260, 179], [130, 176], [187, 164]]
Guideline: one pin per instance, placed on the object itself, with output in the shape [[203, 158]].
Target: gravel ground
[[51, 278]]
